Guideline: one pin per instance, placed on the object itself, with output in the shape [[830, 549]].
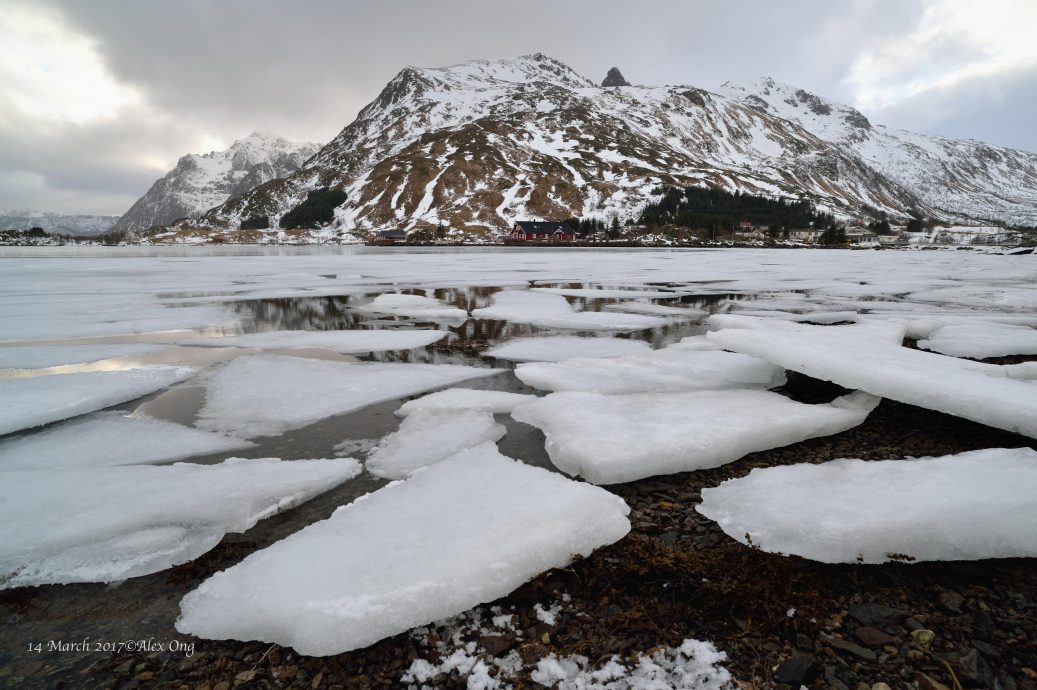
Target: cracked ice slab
[[430, 436], [463, 532], [679, 367], [967, 506], [39, 400], [101, 524], [112, 439], [562, 347], [266, 395], [984, 393], [494, 402], [546, 310], [414, 306], [609, 439], [346, 342], [61, 355]]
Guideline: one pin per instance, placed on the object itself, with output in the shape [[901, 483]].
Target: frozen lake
[[167, 308]]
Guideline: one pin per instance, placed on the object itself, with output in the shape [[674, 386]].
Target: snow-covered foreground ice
[[429, 436], [546, 310], [101, 524], [494, 402], [465, 531], [416, 307], [638, 307], [981, 392], [981, 340], [345, 342], [680, 367], [695, 665], [562, 347], [266, 395], [969, 506], [40, 400], [111, 439], [621, 438], [60, 355]]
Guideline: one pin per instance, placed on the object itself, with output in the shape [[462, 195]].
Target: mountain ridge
[[477, 145]]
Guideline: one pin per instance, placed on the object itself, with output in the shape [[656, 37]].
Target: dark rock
[[875, 614], [873, 637], [799, 669], [987, 650], [496, 645], [614, 78], [849, 647], [928, 683], [973, 670], [951, 601]]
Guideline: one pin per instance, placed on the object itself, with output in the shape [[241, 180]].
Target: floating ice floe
[[417, 307], [680, 367], [546, 310], [695, 665], [969, 506], [609, 439], [101, 524], [562, 347], [884, 331], [981, 340], [462, 532], [638, 307], [29, 402], [608, 293], [983, 393], [494, 402], [62, 355], [266, 395], [110, 438], [346, 342], [429, 436]]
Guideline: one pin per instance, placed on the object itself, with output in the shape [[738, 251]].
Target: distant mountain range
[[475, 146], [202, 181], [78, 225]]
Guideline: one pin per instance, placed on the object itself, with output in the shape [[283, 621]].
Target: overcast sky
[[99, 98]]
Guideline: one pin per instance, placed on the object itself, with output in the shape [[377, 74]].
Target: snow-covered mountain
[[202, 181], [78, 225], [959, 180], [477, 145]]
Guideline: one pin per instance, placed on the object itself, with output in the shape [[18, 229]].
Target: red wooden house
[[539, 232]]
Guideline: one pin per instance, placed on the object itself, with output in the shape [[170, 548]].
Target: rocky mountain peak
[[614, 78]]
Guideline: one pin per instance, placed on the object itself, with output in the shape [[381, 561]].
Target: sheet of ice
[[494, 402], [695, 665], [416, 307], [562, 347], [680, 367], [266, 395], [346, 342], [608, 293], [462, 532], [638, 307], [546, 310], [884, 331], [60, 355], [969, 506], [29, 402], [983, 393], [110, 438], [609, 439], [816, 317], [100, 524], [981, 340], [429, 436]]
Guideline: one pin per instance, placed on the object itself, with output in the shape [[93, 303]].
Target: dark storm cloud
[[210, 72]]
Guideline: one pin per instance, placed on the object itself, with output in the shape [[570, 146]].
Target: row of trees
[[697, 207]]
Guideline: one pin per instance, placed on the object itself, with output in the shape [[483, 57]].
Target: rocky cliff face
[[202, 181], [475, 146]]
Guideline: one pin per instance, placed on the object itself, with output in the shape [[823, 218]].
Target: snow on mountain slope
[[475, 146], [201, 181], [961, 180], [79, 225]]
